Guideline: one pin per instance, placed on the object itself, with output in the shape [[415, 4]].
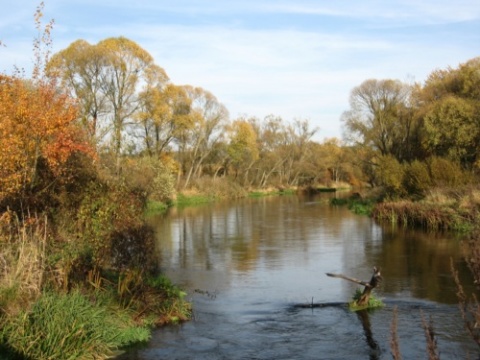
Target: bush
[[389, 174], [416, 179], [155, 177], [106, 216], [444, 172]]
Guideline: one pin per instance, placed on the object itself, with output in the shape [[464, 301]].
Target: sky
[[296, 59]]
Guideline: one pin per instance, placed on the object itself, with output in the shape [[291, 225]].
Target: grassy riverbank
[[82, 281]]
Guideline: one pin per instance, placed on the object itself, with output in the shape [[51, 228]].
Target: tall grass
[[70, 326], [422, 215], [22, 264], [442, 209]]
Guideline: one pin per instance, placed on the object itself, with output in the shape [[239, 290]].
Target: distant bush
[[416, 179], [444, 172], [218, 188], [389, 174], [152, 176]]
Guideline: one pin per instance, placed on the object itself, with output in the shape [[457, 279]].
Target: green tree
[[449, 104], [452, 130]]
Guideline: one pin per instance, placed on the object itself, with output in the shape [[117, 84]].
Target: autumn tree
[[242, 148], [271, 134], [80, 69], [296, 170], [107, 79], [164, 115], [209, 118], [379, 117], [450, 108]]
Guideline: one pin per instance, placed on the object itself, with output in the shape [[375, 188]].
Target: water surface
[[251, 267]]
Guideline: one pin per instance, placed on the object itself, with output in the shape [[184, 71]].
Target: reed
[[413, 214], [432, 349], [394, 344]]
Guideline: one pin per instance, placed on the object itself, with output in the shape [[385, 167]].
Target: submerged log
[[368, 286]]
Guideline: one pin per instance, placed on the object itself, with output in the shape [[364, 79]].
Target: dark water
[[252, 266]]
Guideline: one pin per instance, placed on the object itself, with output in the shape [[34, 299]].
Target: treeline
[[410, 138], [404, 137], [134, 116]]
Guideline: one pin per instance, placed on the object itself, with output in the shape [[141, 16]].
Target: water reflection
[[275, 234], [263, 257]]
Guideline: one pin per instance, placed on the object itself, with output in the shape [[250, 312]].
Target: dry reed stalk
[[430, 337], [470, 310], [23, 260], [394, 344]]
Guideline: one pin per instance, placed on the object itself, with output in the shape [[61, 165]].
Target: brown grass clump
[[408, 213], [22, 264]]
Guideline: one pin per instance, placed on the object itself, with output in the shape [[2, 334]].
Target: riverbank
[[211, 194], [82, 282], [441, 209]]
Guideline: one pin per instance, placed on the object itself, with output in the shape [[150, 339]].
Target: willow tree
[[164, 115], [107, 79], [379, 117], [242, 148], [209, 118]]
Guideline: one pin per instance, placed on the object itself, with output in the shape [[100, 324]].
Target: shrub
[[389, 174], [155, 177], [444, 172], [106, 215], [416, 179]]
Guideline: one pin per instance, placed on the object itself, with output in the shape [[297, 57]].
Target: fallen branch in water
[[362, 301]]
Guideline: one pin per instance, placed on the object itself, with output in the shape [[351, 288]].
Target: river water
[[253, 267]]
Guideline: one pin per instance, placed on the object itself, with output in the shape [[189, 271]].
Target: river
[[252, 267]]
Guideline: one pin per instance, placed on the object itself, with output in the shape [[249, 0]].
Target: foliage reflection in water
[[253, 266]]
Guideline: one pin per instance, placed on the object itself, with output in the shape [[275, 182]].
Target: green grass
[[192, 200], [358, 206], [156, 207], [373, 302], [70, 326]]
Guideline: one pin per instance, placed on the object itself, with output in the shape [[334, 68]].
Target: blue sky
[[295, 59]]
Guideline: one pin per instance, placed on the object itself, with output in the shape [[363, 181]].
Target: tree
[[164, 115], [107, 79], [379, 117], [242, 148], [209, 118], [80, 69], [452, 130], [449, 104]]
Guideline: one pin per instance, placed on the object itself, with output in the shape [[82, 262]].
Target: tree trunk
[[368, 286]]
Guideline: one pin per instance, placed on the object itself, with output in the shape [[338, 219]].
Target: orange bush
[[37, 129]]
